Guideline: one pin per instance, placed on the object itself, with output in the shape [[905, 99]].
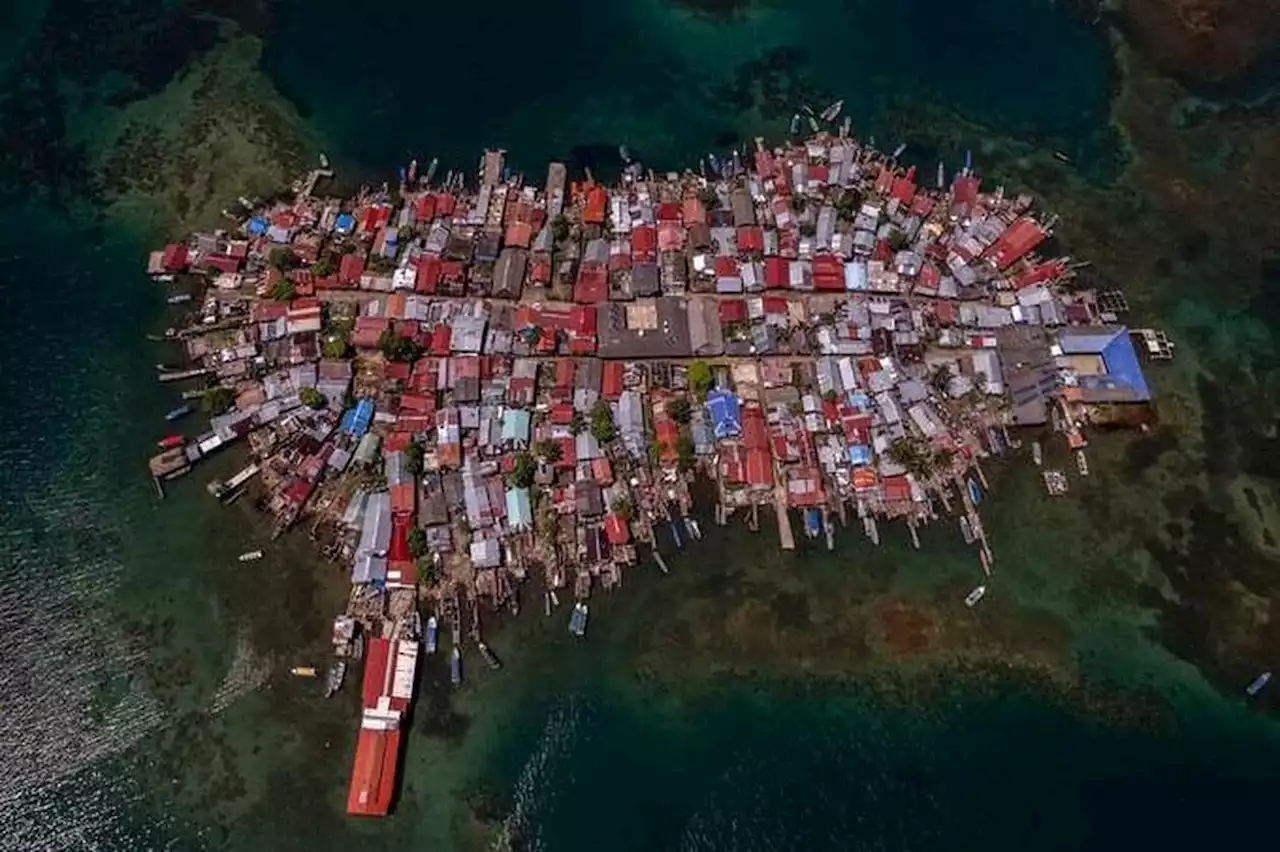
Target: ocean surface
[[749, 701]]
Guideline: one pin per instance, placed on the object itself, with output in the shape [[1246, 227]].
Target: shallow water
[[751, 700]]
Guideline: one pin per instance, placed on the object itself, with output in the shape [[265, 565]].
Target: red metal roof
[[726, 267], [424, 208], [1018, 239], [611, 380], [750, 239], [377, 659], [965, 189], [733, 310], [597, 202], [669, 211], [615, 527], [373, 772], [174, 258], [593, 284], [896, 488], [350, 269], [777, 273]]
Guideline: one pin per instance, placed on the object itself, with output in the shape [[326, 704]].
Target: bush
[[395, 347], [523, 472], [578, 424], [700, 379], [312, 398], [625, 508], [417, 542], [284, 291], [680, 410], [685, 450], [282, 258], [335, 346], [324, 267], [217, 400], [413, 458], [602, 425], [550, 451]]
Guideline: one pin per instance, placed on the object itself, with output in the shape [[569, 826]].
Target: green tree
[[709, 198], [282, 258], [559, 229], [522, 474], [550, 451], [335, 346], [602, 425], [417, 542], [284, 290], [700, 378], [685, 451], [898, 240], [624, 507], [578, 424], [413, 458], [217, 400], [428, 572], [395, 347], [324, 267], [680, 410], [312, 398]]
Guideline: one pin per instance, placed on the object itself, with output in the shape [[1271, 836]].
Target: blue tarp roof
[[257, 225], [860, 454], [813, 520], [726, 414], [356, 421], [1115, 347], [1123, 366], [344, 222]]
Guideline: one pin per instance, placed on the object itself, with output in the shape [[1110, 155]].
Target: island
[[471, 393]]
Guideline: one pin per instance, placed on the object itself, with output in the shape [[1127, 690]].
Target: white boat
[[830, 113], [324, 160], [694, 530], [433, 629], [1082, 463], [578, 619], [1037, 454], [966, 529], [971, 599], [250, 556]]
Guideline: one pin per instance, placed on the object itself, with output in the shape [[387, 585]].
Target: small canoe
[[250, 556], [178, 413]]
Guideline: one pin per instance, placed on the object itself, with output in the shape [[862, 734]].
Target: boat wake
[[535, 789]]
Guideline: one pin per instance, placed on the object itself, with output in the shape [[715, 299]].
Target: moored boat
[[966, 529], [1082, 463], [694, 530], [975, 493], [178, 413], [303, 671], [455, 667], [971, 599], [1258, 684], [250, 556], [830, 113], [578, 619], [490, 657], [170, 441], [433, 632], [1037, 453], [179, 298]]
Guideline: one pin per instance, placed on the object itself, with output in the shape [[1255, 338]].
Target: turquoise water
[[750, 700]]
